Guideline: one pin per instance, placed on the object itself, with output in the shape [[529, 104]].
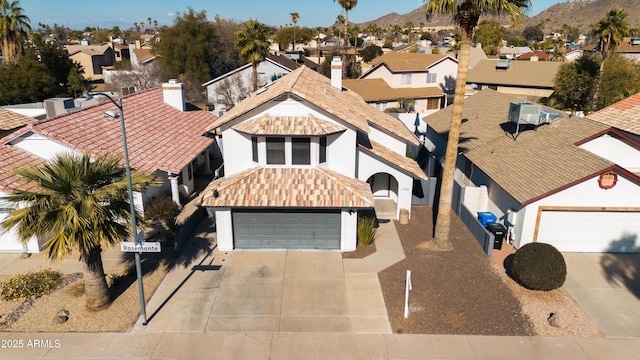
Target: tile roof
[[288, 187], [10, 159], [288, 125], [316, 89], [10, 120], [407, 61], [87, 49], [520, 73], [378, 90], [399, 161], [158, 135], [623, 115], [144, 55], [538, 162]]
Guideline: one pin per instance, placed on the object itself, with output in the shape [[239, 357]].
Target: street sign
[[130, 246]]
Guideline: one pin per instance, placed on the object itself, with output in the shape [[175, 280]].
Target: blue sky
[[77, 14]]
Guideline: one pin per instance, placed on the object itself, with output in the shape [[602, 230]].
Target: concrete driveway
[[265, 291], [607, 287]]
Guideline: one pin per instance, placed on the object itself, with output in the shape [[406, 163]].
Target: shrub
[[539, 266], [161, 208], [30, 285], [366, 228]]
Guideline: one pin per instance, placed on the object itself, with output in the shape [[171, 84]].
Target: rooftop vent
[[503, 64]]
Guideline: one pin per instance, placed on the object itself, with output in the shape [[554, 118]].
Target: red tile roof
[[623, 115], [10, 159], [260, 187], [158, 135]]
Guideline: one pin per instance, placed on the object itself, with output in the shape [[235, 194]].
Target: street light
[[137, 237]]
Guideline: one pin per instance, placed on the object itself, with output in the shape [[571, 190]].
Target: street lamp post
[[137, 237]]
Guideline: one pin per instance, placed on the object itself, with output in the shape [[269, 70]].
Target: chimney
[[534, 58], [336, 73], [173, 94]]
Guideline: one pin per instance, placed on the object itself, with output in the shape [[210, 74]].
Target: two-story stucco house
[[93, 58], [301, 158], [428, 79]]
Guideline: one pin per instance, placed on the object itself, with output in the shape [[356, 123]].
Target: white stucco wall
[[224, 229], [615, 150], [368, 166], [42, 147], [348, 237], [586, 194], [388, 141]]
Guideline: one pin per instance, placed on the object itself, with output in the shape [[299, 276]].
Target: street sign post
[[131, 246]]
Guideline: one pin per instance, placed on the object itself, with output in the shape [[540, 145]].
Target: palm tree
[[14, 25], [409, 26], [347, 5], [253, 45], [340, 21], [80, 203], [294, 19], [465, 14], [318, 31], [610, 31]]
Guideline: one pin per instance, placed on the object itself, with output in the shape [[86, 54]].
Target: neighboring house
[[227, 90], [431, 76], [302, 158], [93, 58], [140, 57], [568, 182], [547, 55], [378, 93], [11, 121], [530, 80], [629, 48], [165, 137], [476, 54], [513, 52], [120, 51]]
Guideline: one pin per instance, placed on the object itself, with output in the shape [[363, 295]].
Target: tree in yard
[[75, 82], [340, 21], [573, 84], [490, 34], [610, 31], [620, 79], [14, 25], [55, 57], [294, 18], [346, 6], [253, 44], [465, 14], [80, 204], [533, 33], [370, 52], [27, 81]]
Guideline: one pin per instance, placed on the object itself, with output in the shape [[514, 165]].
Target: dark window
[[254, 148], [190, 171], [275, 151], [323, 150], [301, 151]]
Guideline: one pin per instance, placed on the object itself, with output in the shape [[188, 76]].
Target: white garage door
[[591, 231]]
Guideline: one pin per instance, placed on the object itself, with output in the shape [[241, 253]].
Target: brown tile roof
[[378, 90], [623, 115], [539, 74], [285, 61], [10, 120], [403, 163], [407, 61], [288, 125], [288, 187], [158, 135], [10, 159], [87, 49], [316, 89], [538, 162]]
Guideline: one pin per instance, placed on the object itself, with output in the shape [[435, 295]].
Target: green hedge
[[539, 266]]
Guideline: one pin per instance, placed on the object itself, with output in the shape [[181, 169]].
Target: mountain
[[583, 14], [578, 13]]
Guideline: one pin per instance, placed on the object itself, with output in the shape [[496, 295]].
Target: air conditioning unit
[[524, 113]]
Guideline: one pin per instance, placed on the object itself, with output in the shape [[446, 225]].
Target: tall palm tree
[[80, 204], [294, 19], [465, 14], [347, 5], [253, 45], [340, 21], [318, 31], [14, 25], [610, 31]]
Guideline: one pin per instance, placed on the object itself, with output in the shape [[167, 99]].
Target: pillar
[[175, 190]]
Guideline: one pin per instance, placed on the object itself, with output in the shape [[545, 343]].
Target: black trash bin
[[499, 232]]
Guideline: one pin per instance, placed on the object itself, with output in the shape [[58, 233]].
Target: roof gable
[[407, 61], [10, 120], [623, 115], [539, 74], [379, 90], [288, 125]]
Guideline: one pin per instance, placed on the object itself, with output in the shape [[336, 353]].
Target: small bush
[[30, 285], [161, 208], [366, 228], [539, 266]]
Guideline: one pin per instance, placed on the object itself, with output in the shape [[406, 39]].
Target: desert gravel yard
[[465, 292]]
